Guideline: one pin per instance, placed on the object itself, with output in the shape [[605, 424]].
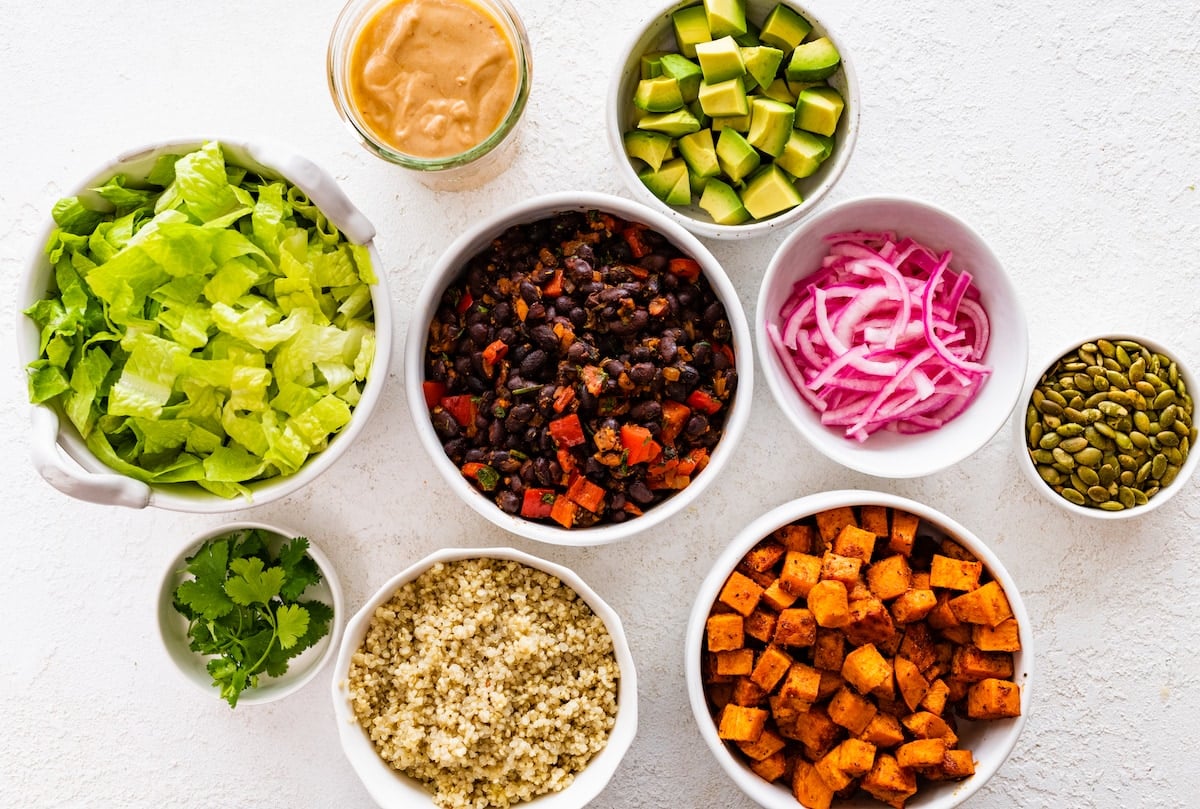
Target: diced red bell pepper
[[675, 416], [686, 268], [484, 475], [563, 512], [585, 493], [434, 391], [593, 379], [704, 402], [633, 237], [566, 460], [639, 444], [554, 287], [567, 431], [563, 397], [461, 408], [494, 352], [537, 503], [465, 301]]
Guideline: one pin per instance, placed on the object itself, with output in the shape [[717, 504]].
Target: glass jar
[[468, 166]]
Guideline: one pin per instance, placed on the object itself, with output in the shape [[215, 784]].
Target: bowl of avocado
[[733, 117]]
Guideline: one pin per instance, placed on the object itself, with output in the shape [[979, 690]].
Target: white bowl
[[1020, 435], [172, 625], [991, 742], [447, 270], [60, 454], [655, 34], [890, 454], [394, 790]]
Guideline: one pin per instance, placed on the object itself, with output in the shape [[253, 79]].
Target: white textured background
[[1067, 133]]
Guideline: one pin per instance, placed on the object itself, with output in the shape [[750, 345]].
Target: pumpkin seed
[[1098, 494], [1073, 496], [1112, 505]]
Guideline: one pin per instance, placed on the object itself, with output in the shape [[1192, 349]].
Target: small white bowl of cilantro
[[250, 612], [200, 328]]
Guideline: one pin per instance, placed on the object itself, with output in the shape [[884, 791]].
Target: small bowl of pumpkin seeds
[[1108, 426]]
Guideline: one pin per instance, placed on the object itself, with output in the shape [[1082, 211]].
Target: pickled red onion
[[883, 336]]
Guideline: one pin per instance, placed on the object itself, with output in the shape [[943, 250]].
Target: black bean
[[667, 347], [640, 493], [696, 425], [544, 337], [532, 362], [444, 425], [689, 376], [509, 502], [614, 367], [642, 373], [646, 411]]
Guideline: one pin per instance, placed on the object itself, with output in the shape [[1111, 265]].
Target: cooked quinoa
[[489, 681]]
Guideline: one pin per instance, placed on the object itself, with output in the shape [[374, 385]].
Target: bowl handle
[[106, 489]]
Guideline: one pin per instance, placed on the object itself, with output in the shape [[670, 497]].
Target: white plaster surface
[[1065, 131]]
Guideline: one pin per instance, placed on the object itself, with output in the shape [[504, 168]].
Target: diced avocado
[[726, 17], [780, 91], [723, 203], [695, 109], [652, 148], [739, 122], [684, 71], [662, 182], [750, 38], [813, 61], [700, 153], [674, 124], [762, 62], [826, 145], [770, 191], [651, 64], [698, 183], [818, 109], [784, 28], [724, 98], [770, 125], [658, 95], [803, 154], [691, 27], [720, 60], [797, 87], [735, 155], [681, 192]]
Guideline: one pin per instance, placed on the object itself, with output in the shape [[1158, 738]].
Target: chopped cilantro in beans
[[580, 369]]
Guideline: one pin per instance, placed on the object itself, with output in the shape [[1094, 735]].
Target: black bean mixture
[[580, 369]]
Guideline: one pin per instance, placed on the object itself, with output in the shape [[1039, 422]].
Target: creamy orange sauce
[[433, 78]]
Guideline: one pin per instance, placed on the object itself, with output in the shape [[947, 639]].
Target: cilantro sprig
[[244, 608]]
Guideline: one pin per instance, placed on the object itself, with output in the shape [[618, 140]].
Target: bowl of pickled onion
[[891, 336]]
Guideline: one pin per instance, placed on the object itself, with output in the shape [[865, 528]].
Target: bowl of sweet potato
[[856, 649]]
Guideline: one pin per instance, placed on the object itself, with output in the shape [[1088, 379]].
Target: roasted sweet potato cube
[[771, 768], [829, 649], [956, 550], [851, 711], [870, 622], [763, 556], [760, 625], [954, 574], [957, 689], [741, 593], [796, 537], [746, 692], [785, 716], [739, 723], [768, 744], [993, 699], [854, 541], [816, 731], [912, 685], [1003, 637], [913, 605], [904, 532], [762, 578], [831, 681], [918, 646], [708, 669], [958, 764], [735, 662], [772, 664], [845, 569], [884, 731], [986, 605], [874, 519], [925, 725], [973, 665], [920, 580], [801, 685], [800, 572], [829, 768], [809, 788], [831, 522], [849, 760], [921, 753], [828, 603], [866, 669], [795, 627], [888, 782], [720, 694], [941, 617], [935, 698], [889, 577], [776, 597], [725, 632]]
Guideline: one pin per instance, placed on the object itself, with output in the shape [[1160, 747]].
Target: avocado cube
[[663, 182], [700, 153], [724, 98], [684, 71], [691, 27], [658, 95], [739, 122], [770, 191], [802, 154], [723, 203], [652, 148], [725, 17], [681, 192], [698, 183], [770, 124], [750, 38], [720, 60], [784, 28], [780, 91], [813, 61], [695, 109], [674, 124], [652, 64], [818, 109], [735, 155], [762, 63]]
